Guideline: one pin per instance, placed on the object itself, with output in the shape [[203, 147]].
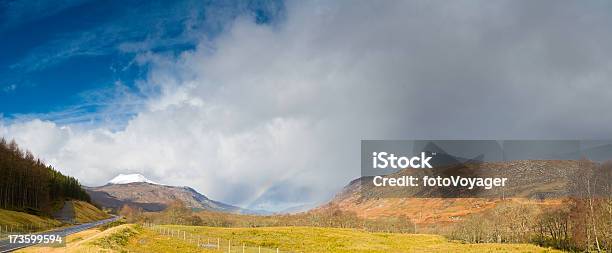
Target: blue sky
[[56, 57]]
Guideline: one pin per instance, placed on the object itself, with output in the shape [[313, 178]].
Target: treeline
[[27, 184], [330, 216], [582, 222]]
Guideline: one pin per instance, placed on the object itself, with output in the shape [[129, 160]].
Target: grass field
[[122, 238], [133, 238], [311, 239], [85, 212], [13, 221], [149, 241], [96, 240], [21, 219]]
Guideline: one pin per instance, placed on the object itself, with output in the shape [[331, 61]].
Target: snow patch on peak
[[130, 178]]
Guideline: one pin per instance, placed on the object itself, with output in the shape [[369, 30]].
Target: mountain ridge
[[136, 190], [544, 182]]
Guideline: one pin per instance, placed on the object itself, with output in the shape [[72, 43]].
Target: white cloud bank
[[271, 116]]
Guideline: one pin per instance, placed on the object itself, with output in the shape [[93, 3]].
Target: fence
[[6, 230], [212, 243]]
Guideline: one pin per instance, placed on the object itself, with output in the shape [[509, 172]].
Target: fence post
[[276, 250], [259, 249], [184, 235], [229, 245], [242, 247], [218, 245]]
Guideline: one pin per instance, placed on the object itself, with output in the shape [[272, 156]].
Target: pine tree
[[26, 183]]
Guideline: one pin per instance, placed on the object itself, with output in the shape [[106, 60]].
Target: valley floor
[[135, 238], [316, 239]]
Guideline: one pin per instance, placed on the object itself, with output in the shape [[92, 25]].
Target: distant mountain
[[297, 209], [544, 182], [137, 190]]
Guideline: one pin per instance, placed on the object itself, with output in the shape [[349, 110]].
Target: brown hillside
[[540, 182], [154, 197]]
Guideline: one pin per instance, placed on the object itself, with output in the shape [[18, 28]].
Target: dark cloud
[[268, 114]]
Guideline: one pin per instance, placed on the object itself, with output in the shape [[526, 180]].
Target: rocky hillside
[[544, 182]]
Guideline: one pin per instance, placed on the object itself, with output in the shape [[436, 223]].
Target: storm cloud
[[271, 115]]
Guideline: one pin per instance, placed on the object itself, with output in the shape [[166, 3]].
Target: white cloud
[[273, 115], [9, 88]]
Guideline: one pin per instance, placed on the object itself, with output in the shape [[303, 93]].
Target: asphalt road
[[5, 246]]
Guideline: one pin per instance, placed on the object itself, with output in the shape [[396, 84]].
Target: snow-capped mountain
[[137, 190], [130, 178]]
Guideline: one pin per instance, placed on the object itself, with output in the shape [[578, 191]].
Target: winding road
[[5, 246]]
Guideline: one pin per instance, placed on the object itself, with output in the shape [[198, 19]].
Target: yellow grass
[[84, 241], [335, 240], [96, 240], [85, 212], [150, 241], [13, 218], [287, 239]]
